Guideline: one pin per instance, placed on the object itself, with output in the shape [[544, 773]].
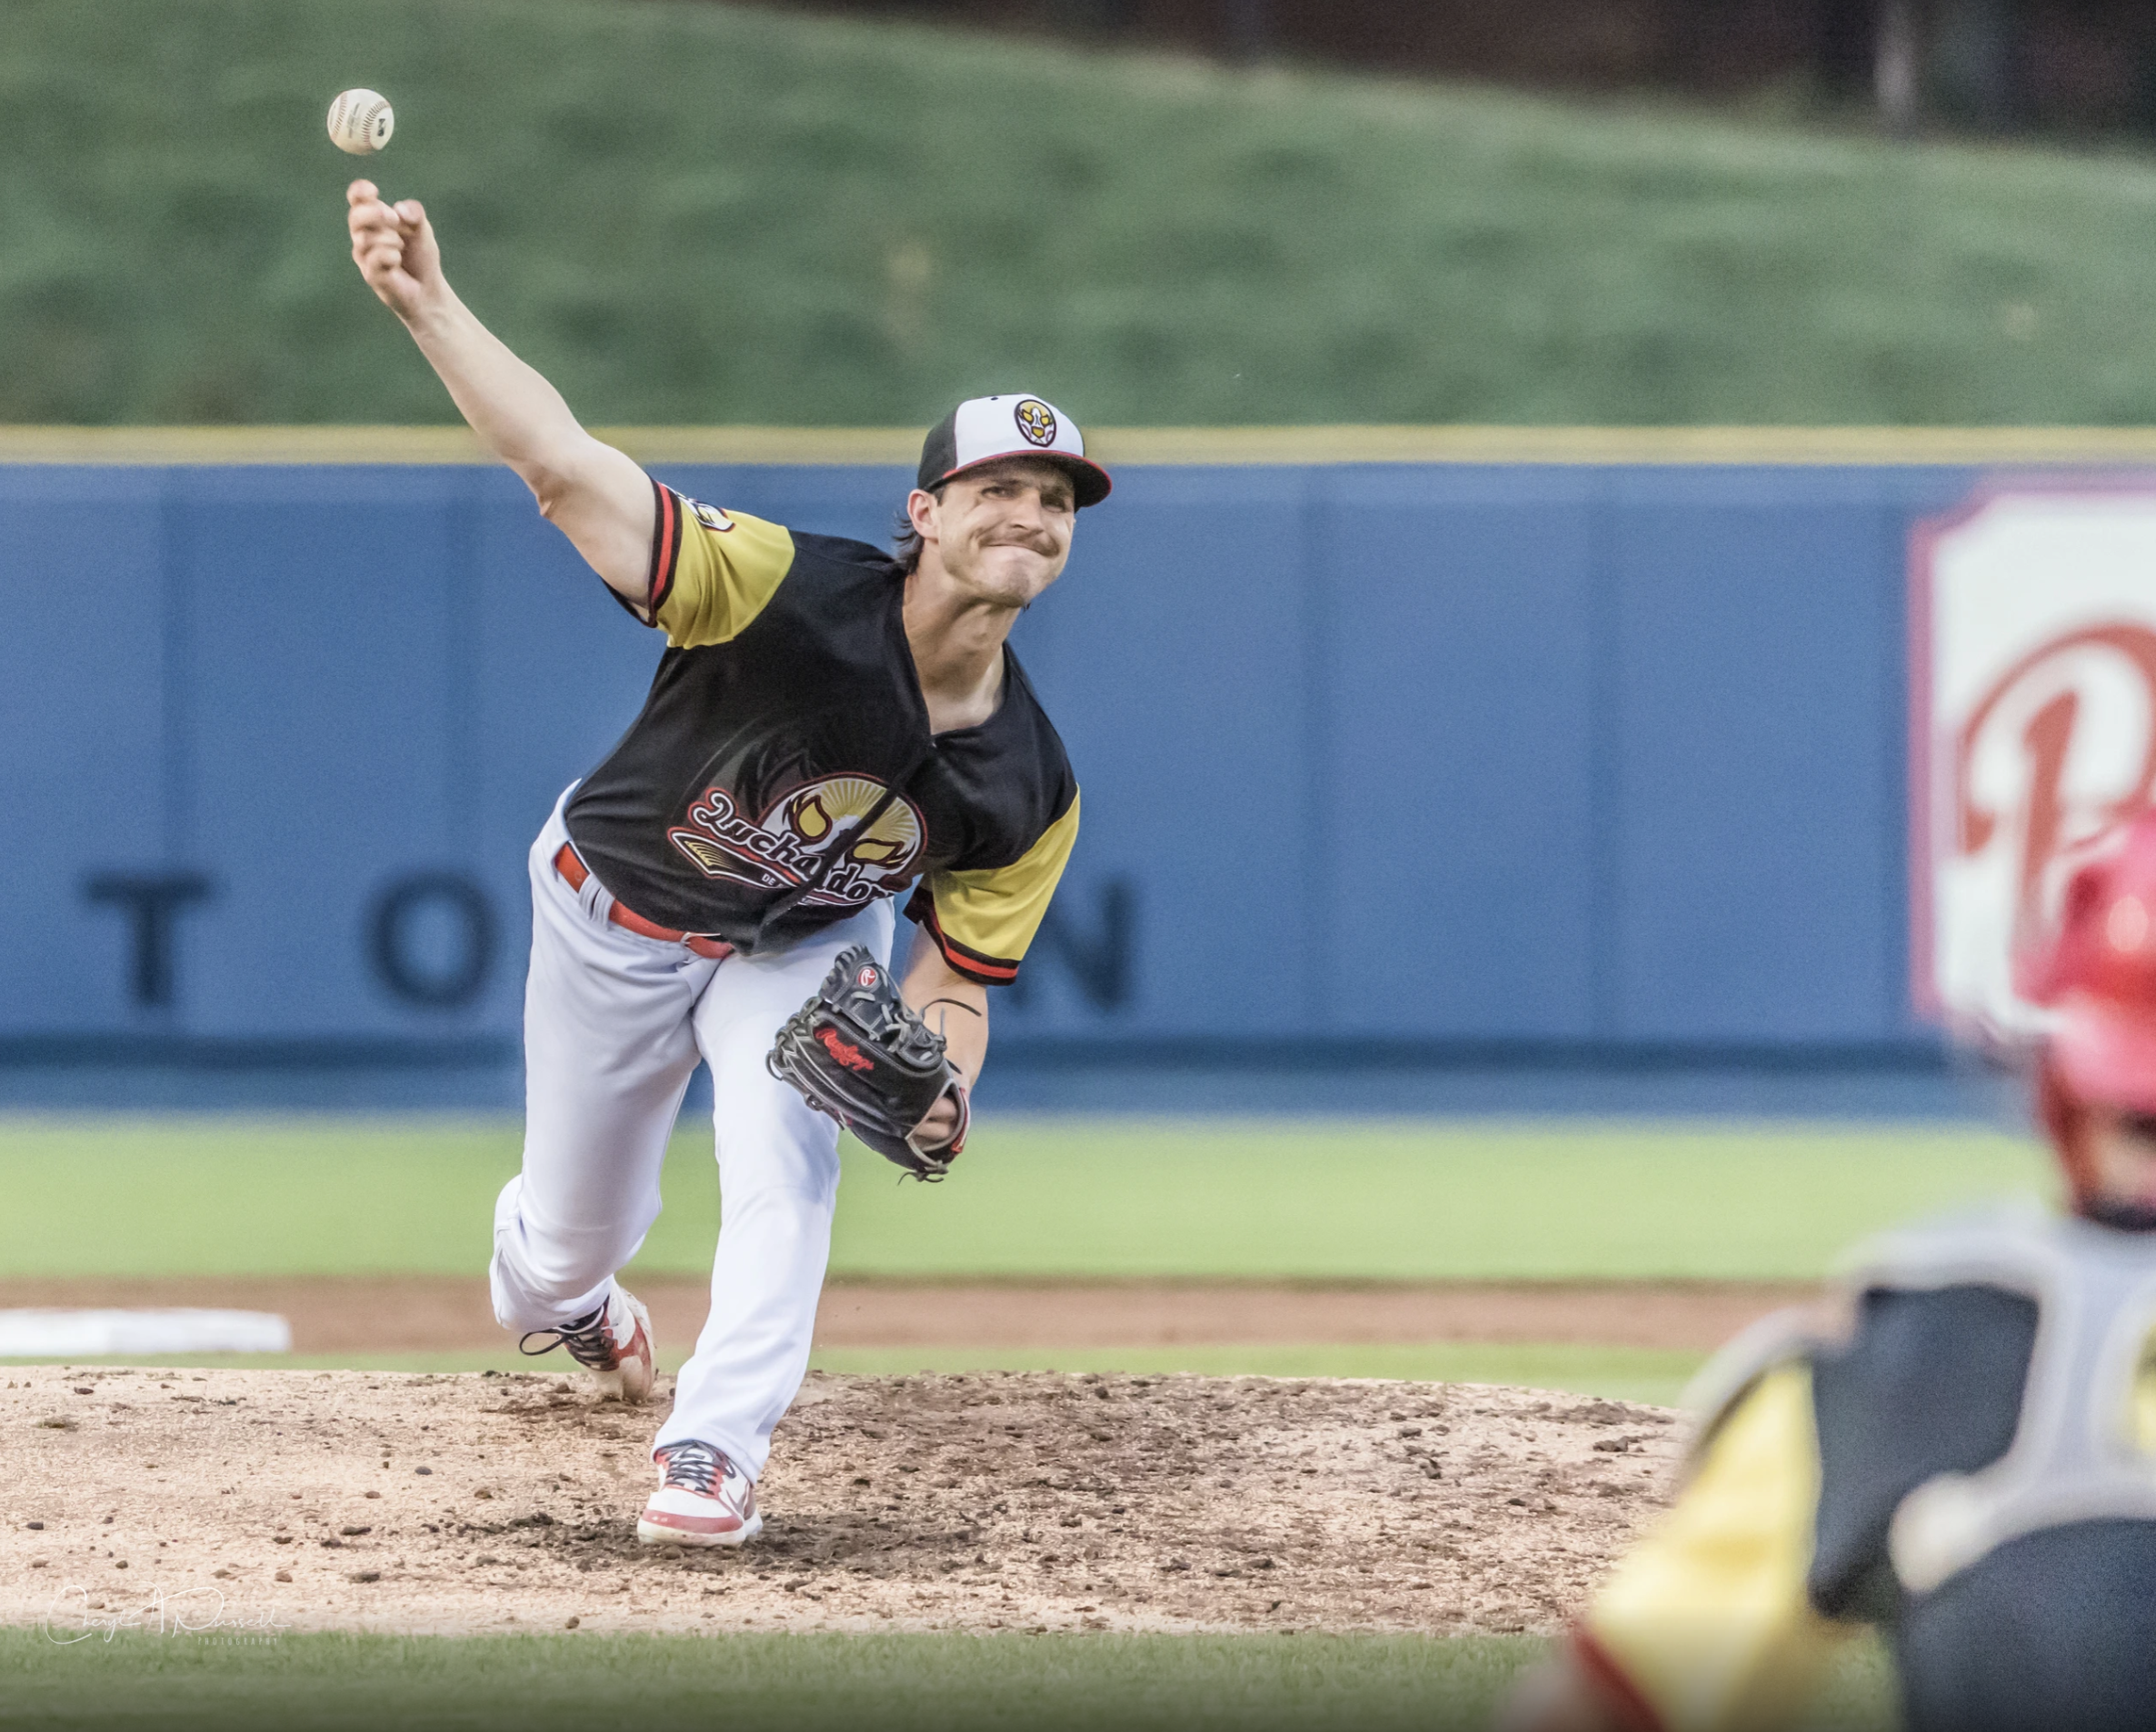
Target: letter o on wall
[[393, 930]]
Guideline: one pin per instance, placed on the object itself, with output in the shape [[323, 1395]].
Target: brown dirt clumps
[[347, 1499]]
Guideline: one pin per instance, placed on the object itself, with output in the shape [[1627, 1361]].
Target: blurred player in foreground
[[828, 724], [1968, 1462]]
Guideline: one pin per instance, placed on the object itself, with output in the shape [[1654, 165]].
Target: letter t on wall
[[152, 902]]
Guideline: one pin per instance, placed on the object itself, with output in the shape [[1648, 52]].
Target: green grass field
[[791, 1682], [708, 213], [746, 1681], [1069, 1198]]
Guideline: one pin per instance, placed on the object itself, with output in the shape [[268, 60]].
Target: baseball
[[361, 121]]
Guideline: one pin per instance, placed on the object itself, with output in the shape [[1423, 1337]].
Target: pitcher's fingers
[[370, 248], [378, 260], [359, 192], [411, 213], [374, 218]]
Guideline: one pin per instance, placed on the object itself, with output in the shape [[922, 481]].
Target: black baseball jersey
[[1972, 1469], [782, 775]]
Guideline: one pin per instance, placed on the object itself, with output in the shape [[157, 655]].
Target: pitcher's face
[[1002, 532]]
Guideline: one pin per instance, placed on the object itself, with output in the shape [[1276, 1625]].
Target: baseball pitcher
[[829, 726]]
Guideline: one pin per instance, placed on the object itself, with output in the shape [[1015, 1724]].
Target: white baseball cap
[[982, 429]]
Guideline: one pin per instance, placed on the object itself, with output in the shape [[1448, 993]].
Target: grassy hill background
[[704, 214]]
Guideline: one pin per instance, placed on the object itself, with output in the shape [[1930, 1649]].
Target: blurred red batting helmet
[[2098, 975]]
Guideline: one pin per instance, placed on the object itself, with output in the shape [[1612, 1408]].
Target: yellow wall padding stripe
[[2012, 447]]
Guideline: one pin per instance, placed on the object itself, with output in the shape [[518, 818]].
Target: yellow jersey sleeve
[[982, 921], [1707, 1623], [712, 571], [2140, 1425]]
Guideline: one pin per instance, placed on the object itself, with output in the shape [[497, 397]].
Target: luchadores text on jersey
[[785, 847]]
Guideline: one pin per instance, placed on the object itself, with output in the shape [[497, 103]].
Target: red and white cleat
[[613, 1343], [702, 1499]]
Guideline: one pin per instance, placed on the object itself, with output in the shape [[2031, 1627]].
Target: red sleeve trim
[[1622, 1696], [984, 971], [665, 550]]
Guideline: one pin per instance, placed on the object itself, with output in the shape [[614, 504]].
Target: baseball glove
[[859, 1052]]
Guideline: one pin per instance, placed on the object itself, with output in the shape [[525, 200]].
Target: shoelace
[[584, 1337], [694, 1467]]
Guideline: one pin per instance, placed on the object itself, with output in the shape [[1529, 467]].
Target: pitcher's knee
[[776, 1229], [807, 1165], [777, 1205], [562, 1277], [536, 1270]]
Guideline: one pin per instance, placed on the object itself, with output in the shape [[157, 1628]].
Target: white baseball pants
[[614, 1024]]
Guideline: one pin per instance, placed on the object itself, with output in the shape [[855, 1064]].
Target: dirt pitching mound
[[357, 1500]]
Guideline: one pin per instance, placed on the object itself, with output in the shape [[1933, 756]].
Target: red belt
[[571, 868]]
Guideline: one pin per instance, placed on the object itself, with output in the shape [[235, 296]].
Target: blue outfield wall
[[1477, 761]]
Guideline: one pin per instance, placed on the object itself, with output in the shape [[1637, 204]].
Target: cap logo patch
[[1036, 421]]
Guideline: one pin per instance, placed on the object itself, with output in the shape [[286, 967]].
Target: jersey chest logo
[[787, 846]]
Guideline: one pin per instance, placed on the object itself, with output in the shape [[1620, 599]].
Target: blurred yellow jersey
[[1972, 1470]]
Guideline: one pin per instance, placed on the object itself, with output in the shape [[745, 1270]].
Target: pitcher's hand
[[940, 1126], [394, 246]]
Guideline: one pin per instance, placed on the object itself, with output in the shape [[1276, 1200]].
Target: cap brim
[[2106, 1055], [1088, 477]]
